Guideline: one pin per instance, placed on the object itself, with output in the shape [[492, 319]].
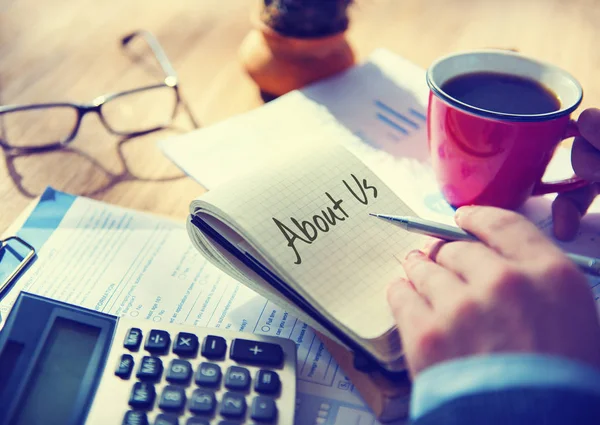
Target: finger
[[411, 312], [507, 232], [566, 218], [585, 159], [432, 281], [432, 247], [588, 124], [569, 207], [472, 261]]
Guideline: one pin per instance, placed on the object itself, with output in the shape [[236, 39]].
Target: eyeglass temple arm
[[156, 48], [162, 59]]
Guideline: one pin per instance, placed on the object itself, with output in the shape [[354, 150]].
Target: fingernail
[[462, 212], [415, 253]]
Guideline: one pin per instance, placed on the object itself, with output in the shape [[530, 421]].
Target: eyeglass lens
[[38, 126], [140, 110]]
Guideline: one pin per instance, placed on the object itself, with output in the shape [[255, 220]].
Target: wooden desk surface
[[57, 50]]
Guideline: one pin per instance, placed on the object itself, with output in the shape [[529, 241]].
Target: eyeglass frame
[[170, 81]]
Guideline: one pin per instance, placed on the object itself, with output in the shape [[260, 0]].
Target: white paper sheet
[[383, 102]]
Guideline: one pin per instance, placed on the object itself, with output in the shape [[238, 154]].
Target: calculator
[[64, 364]]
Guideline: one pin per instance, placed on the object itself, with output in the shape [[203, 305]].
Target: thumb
[[569, 207]]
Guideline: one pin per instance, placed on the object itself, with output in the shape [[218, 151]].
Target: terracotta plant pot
[[280, 63]]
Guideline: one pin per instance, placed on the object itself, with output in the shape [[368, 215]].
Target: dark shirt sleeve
[[518, 406], [507, 389]]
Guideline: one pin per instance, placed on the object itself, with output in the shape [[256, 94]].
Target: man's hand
[[513, 292], [569, 207]]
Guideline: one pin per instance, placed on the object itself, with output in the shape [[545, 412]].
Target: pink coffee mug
[[485, 157]]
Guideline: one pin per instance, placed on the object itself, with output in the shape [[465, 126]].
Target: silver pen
[[588, 265]]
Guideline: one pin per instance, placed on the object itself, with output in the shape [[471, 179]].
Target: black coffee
[[504, 93]]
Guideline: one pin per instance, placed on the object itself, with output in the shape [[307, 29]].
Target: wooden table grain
[[69, 50]]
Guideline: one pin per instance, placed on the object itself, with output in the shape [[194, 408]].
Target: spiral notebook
[[299, 230]]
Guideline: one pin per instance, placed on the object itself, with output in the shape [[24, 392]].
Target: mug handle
[[543, 188]]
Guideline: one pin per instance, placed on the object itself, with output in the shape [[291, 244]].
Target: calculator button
[[197, 421], [133, 339], [172, 398], [186, 344], [163, 419], [150, 369], [158, 341], [214, 347], [208, 374], [237, 378], [179, 371], [267, 382], [256, 352], [134, 417], [202, 401], [125, 366], [142, 395], [233, 405], [263, 409]]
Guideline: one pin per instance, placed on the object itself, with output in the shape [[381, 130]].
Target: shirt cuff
[[466, 376]]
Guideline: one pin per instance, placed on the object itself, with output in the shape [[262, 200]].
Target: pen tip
[[374, 215]]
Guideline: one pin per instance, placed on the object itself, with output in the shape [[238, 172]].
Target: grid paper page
[[308, 214]]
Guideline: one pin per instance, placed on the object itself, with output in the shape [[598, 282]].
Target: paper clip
[[24, 260]]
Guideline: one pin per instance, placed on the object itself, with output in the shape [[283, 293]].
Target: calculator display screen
[[53, 388]]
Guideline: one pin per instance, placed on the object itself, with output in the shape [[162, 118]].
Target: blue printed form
[[129, 263]]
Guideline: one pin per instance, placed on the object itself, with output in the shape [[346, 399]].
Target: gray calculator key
[[142, 395], [208, 374], [165, 419], [124, 366], [263, 409], [256, 352], [237, 378], [133, 339], [267, 382], [179, 371], [202, 401], [172, 398], [214, 347], [186, 344], [233, 405], [197, 421], [150, 369], [158, 341], [135, 417]]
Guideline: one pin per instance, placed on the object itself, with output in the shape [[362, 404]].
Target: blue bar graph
[[418, 114], [396, 114], [391, 123]]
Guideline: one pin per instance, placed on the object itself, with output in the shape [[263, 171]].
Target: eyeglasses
[[126, 113]]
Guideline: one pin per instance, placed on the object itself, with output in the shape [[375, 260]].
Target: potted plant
[[296, 42]]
